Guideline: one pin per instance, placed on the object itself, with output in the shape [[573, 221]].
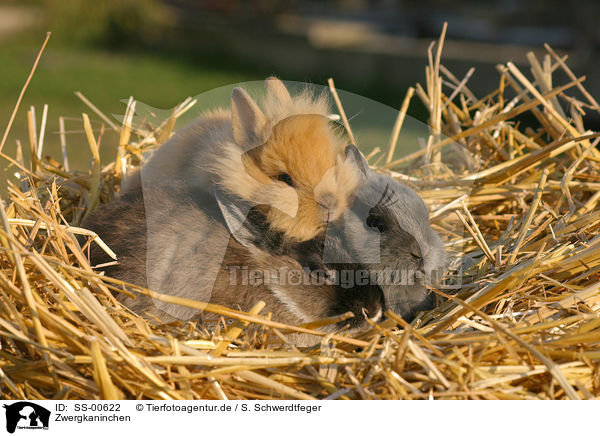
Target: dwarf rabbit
[[386, 230], [286, 157], [288, 161], [286, 169]]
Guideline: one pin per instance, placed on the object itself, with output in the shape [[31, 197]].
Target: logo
[[26, 415]]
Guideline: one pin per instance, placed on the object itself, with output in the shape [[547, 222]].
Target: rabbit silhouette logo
[[24, 415]]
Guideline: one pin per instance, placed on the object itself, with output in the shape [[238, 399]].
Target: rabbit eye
[[376, 222], [285, 178]]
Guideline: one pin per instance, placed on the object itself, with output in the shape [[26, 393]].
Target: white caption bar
[[295, 417]]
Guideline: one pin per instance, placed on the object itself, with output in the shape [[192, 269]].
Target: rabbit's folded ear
[[247, 120], [277, 89], [357, 158], [235, 212]]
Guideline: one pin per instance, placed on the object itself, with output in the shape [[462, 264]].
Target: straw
[[14, 112]]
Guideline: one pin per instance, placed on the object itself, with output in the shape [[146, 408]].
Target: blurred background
[[161, 51]]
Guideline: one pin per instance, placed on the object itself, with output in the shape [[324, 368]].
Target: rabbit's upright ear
[[357, 158], [235, 211], [247, 120], [277, 89]]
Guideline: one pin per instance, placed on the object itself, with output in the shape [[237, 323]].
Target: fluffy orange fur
[[245, 149], [307, 149]]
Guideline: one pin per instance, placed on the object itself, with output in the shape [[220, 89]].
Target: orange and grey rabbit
[[272, 178]]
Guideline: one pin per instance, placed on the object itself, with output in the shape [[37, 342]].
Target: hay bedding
[[518, 316]]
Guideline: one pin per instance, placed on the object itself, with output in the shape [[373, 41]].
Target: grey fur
[[408, 236]]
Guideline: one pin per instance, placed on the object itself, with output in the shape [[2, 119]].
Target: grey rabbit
[[387, 231]]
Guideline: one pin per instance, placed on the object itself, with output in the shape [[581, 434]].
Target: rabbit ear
[[277, 89], [247, 120], [235, 211], [356, 156]]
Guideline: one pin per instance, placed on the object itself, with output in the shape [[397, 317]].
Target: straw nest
[[517, 203]]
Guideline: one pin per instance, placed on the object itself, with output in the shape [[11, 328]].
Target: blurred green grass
[[104, 77]]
